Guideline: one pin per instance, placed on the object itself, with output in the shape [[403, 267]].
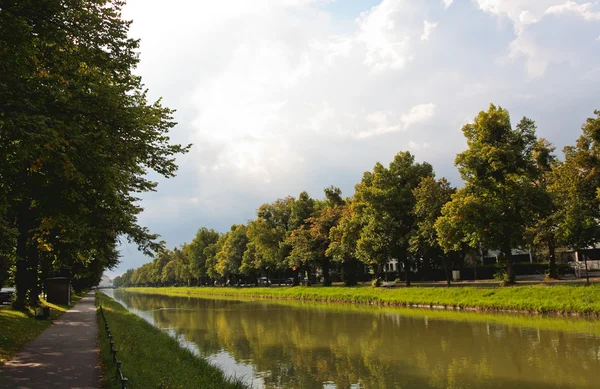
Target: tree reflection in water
[[307, 346]]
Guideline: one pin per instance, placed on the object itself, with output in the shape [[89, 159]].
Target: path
[[63, 356]]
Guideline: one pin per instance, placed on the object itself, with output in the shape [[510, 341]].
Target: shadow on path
[[63, 356]]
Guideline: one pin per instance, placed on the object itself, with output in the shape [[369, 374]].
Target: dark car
[[6, 295]]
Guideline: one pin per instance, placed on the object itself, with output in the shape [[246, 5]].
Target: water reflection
[[288, 346]]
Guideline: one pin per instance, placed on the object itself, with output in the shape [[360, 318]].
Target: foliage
[[517, 194], [577, 187], [382, 211], [430, 196], [498, 200], [79, 136]]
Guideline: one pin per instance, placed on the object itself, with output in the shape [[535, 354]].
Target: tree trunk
[[21, 276], [553, 270], [406, 271], [507, 251], [446, 271], [326, 276], [34, 292], [587, 274]]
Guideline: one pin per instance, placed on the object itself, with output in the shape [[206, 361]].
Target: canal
[[295, 345]]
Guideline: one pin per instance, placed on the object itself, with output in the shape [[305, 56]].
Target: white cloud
[[379, 123], [390, 31], [418, 114], [427, 28], [584, 10], [384, 122], [525, 15], [417, 146], [281, 96], [387, 45], [447, 3]]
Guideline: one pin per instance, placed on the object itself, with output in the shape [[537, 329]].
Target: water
[[286, 345]]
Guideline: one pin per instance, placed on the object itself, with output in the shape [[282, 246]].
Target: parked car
[[6, 295]]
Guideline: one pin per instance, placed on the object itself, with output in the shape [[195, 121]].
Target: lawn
[[558, 299], [150, 357]]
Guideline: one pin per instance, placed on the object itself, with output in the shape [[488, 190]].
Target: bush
[[376, 282]]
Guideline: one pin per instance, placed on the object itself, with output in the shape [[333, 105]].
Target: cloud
[[418, 114], [284, 96], [390, 32], [427, 28], [526, 16], [447, 3], [384, 122], [417, 146], [584, 10]]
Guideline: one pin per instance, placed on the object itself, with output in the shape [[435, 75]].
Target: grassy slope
[[17, 328], [538, 298], [150, 357]]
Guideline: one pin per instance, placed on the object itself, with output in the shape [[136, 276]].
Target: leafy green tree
[[204, 237], [430, 196], [169, 273], [266, 236], [381, 213], [543, 232], [229, 258], [311, 240], [78, 133], [577, 190], [343, 238], [495, 206], [210, 253]]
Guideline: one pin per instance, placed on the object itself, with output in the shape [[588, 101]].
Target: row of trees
[[77, 137], [516, 194]]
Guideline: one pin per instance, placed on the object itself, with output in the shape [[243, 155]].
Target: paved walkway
[[63, 356]]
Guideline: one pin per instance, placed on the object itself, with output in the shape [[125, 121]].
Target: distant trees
[[516, 194]]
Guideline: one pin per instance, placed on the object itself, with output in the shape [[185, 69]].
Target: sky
[[281, 96]]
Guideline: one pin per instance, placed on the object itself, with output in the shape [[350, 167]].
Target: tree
[[229, 258], [266, 236], [78, 133], [210, 253], [381, 215], [430, 196], [496, 203], [543, 233], [577, 190], [204, 238], [310, 240]]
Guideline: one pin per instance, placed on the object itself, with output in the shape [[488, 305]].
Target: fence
[[113, 350]]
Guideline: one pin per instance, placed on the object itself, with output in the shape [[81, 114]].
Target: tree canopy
[[79, 136]]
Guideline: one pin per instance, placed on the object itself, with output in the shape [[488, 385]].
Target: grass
[[150, 357], [19, 327], [557, 299]]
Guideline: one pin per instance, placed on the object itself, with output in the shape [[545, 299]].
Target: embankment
[[556, 299]]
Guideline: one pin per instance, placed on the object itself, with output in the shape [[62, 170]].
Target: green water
[[274, 345]]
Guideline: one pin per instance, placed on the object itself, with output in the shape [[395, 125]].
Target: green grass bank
[[556, 299], [19, 327], [150, 357]]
